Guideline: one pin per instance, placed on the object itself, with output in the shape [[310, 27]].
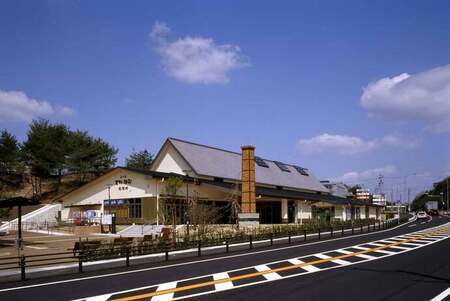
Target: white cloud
[[423, 96], [17, 106], [196, 59], [370, 174], [349, 145]]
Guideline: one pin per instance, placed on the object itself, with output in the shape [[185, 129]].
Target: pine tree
[[141, 159]]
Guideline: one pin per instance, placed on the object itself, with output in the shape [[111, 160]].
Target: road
[[407, 263]]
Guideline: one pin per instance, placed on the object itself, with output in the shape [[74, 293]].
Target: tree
[[141, 159], [88, 155], [10, 154], [45, 151], [172, 186], [103, 156]]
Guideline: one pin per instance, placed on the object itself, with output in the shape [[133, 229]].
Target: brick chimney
[[248, 199]]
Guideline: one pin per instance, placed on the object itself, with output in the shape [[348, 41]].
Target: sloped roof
[[219, 163]]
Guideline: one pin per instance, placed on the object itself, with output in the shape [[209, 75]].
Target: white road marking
[[442, 295], [411, 244], [421, 240], [36, 247], [375, 244], [309, 268], [162, 287], [268, 276], [413, 225], [394, 239], [360, 248], [338, 261], [399, 247], [99, 298], [224, 285]]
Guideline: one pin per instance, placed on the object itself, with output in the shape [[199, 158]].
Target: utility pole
[[447, 192]]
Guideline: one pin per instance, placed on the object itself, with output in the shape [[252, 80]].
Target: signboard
[[107, 219]]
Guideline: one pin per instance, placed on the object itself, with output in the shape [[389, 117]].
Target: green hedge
[[213, 238]]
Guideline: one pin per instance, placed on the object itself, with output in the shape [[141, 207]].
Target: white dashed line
[[268, 276], [338, 261], [224, 285], [162, 287], [309, 268]]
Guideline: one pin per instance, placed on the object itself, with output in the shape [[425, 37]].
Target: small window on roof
[[261, 162], [303, 171], [282, 166]]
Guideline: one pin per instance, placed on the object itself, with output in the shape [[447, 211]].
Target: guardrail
[[165, 247]]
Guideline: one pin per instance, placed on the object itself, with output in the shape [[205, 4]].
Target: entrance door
[[269, 212], [291, 211]]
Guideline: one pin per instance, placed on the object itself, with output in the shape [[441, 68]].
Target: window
[[134, 208], [261, 162], [301, 170], [282, 166]]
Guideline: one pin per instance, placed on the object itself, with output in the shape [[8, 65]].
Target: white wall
[[125, 185], [372, 212], [170, 161], [303, 210], [339, 212]]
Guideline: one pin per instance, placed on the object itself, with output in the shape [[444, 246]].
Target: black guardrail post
[[271, 239], [199, 253], [250, 242], [331, 231], [343, 232], [362, 228], [304, 235], [227, 248], [319, 234], [289, 237], [80, 262], [353, 229], [166, 248], [127, 256], [22, 268]]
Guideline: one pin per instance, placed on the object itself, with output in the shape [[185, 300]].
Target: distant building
[[363, 194], [379, 199], [337, 188]]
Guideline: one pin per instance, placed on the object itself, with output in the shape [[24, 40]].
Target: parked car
[[421, 215], [433, 212]]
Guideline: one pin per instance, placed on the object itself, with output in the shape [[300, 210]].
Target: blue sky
[[349, 89]]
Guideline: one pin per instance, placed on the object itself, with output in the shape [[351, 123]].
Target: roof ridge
[[204, 145], [228, 151]]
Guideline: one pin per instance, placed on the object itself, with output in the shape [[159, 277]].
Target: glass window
[[134, 208]]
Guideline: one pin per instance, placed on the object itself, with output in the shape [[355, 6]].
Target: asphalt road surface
[[411, 262]]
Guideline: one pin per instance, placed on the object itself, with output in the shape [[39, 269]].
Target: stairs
[[37, 219], [141, 230]]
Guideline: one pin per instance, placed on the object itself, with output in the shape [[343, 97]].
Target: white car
[[421, 215]]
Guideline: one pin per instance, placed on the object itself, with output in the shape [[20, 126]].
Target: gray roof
[[219, 163]]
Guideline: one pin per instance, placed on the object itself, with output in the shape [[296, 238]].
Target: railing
[[164, 247]]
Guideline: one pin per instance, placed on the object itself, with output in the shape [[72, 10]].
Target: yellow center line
[[281, 269]]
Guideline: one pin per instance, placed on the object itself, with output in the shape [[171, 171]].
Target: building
[[379, 199], [273, 191], [338, 189], [363, 194]]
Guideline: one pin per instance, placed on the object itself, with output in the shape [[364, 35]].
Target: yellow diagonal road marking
[[281, 269]]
